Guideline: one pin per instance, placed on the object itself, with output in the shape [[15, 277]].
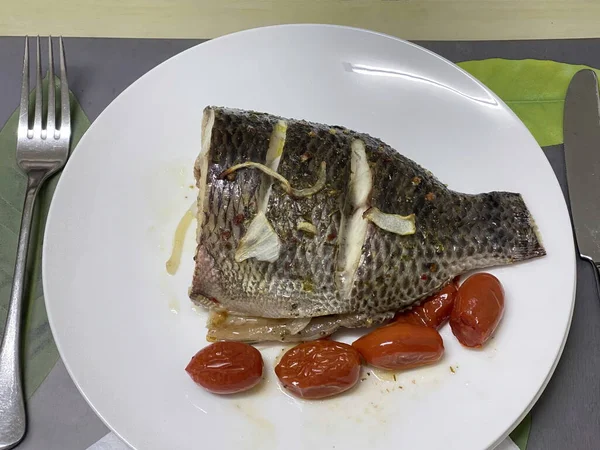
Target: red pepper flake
[[305, 157], [225, 234], [239, 219], [331, 236], [424, 277], [430, 197], [214, 300], [416, 181], [433, 267]]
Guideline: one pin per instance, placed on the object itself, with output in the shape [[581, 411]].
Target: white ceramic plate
[[126, 329]]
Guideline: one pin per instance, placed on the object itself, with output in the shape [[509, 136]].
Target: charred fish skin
[[300, 283], [454, 232], [228, 206]]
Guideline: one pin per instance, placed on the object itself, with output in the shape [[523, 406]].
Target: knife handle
[[596, 267], [597, 276]]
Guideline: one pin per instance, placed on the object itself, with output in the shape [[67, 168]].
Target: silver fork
[[41, 151]]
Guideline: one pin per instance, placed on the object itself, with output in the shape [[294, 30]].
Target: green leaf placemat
[[534, 89], [520, 435], [40, 353]]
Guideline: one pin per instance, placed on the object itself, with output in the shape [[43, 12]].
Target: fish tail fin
[[530, 245], [522, 234]]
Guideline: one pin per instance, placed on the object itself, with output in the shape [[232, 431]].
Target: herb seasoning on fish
[[389, 218]]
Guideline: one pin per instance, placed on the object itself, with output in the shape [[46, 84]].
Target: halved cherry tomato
[[226, 367], [400, 346], [478, 309], [433, 311], [319, 369]]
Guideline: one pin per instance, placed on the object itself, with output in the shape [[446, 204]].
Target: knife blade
[[581, 130]]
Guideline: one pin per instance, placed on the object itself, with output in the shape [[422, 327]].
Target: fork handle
[[12, 403]]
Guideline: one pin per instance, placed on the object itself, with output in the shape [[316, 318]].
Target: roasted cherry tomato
[[400, 346], [226, 367], [478, 309], [432, 312], [319, 369]]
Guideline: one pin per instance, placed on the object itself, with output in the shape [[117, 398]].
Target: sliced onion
[[260, 241], [227, 327], [285, 184], [402, 225], [307, 227]]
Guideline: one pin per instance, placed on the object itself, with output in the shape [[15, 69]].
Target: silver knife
[[581, 129]]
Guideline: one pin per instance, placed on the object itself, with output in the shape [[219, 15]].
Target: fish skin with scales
[[348, 271]]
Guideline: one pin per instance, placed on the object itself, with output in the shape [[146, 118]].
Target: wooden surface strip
[[408, 19]]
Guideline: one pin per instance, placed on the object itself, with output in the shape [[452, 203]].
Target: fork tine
[[50, 122], [24, 108], [65, 107], [37, 119]]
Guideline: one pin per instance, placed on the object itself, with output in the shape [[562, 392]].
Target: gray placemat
[[566, 414]]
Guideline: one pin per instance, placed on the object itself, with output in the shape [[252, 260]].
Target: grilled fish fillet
[[304, 228]]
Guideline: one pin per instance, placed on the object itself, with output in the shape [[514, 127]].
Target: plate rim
[[454, 66]]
